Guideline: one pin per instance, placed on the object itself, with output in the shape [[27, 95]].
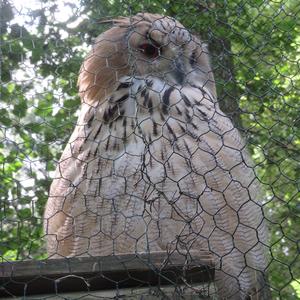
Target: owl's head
[[141, 46]]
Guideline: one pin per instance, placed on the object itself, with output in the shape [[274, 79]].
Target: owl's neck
[[146, 109], [141, 98]]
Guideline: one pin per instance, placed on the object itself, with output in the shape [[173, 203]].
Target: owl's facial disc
[[164, 50], [164, 61]]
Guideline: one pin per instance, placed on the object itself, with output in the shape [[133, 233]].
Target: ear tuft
[[118, 22]]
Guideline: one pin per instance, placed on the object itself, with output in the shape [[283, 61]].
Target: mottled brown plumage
[[153, 163]]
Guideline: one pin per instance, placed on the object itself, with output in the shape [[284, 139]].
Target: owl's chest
[[146, 133]]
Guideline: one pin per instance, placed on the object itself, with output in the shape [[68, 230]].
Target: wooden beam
[[24, 278]]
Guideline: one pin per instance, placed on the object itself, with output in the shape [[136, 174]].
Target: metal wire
[[183, 167]]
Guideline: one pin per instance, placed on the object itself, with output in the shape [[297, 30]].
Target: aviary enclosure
[[181, 179]]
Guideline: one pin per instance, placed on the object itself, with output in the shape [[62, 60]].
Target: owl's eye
[[150, 50]]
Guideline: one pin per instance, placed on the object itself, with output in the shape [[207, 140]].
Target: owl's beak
[[178, 72]]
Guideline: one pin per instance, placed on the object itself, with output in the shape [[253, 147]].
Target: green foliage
[[255, 53]]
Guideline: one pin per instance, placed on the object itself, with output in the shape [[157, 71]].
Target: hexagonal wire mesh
[[181, 177]]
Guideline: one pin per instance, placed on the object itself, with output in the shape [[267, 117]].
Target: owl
[[153, 164]]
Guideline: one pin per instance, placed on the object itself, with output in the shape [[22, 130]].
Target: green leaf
[[20, 109], [4, 117]]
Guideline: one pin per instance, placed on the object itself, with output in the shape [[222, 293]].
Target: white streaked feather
[[170, 176]]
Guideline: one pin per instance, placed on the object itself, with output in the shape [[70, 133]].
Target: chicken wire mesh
[[156, 167]]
